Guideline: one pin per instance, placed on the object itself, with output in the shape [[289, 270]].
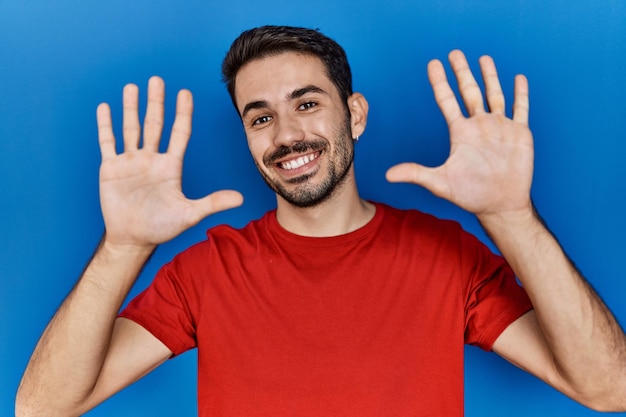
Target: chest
[[312, 324]]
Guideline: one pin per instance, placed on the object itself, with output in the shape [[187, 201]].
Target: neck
[[343, 212]]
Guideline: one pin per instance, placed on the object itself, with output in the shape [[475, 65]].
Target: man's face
[[297, 126]]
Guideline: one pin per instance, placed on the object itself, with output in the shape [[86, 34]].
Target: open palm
[[140, 189], [489, 169]]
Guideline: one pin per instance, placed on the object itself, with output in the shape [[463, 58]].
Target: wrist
[[519, 219], [117, 250]]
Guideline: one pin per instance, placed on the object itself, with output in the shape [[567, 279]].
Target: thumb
[[416, 174], [215, 202]]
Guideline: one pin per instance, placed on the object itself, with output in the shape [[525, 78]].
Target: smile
[[298, 162]]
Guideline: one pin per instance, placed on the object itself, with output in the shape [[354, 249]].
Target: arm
[[86, 354], [83, 355], [570, 340]]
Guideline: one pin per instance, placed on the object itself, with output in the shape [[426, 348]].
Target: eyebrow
[[302, 91], [295, 94], [253, 105]]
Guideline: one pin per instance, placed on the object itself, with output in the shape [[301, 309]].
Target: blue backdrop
[[59, 59]]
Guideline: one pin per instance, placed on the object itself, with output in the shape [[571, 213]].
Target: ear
[[357, 104]]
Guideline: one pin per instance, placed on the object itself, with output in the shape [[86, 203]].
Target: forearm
[[67, 360], [586, 342]]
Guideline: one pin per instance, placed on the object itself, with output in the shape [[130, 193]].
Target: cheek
[[256, 145], [259, 151], [322, 126]]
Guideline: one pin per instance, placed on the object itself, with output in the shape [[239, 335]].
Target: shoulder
[[250, 234], [417, 221], [424, 231], [224, 239]]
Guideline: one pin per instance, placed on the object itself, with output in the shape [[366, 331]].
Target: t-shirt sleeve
[[164, 308], [494, 298]]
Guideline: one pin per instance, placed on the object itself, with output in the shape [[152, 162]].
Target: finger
[[131, 128], [213, 203], [521, 104], [493, 89], [444, 96], [468, 87], [181, 129], [417, 174], [106, 139], [153, 122]]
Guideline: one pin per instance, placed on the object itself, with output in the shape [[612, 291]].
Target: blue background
[[59, 59]]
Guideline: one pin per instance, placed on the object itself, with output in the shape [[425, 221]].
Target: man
[[329, 305]]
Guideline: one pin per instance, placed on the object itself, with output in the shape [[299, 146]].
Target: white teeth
[[297, 163]]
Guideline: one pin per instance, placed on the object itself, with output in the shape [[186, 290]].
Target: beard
[[305, 194]]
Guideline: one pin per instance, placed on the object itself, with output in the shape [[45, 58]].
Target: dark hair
[[266, 41]]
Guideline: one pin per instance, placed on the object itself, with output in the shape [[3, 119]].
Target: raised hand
[[490, 166], [140, 188]]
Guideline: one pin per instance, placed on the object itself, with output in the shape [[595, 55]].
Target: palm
[[140, 189], [141, 196], [490, 165]]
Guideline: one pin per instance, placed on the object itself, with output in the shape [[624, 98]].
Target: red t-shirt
[[371, 323]]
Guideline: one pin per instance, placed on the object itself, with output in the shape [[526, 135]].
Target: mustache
[[297, 148]]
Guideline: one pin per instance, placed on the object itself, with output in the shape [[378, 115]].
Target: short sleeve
[[163, 309], [494, 298]]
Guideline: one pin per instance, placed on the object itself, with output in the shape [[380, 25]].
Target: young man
[[329, 305]]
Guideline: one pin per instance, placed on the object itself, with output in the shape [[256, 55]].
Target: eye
[[308, 105], [261, 120]]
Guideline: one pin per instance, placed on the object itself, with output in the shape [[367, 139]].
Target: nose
[[288, 130]]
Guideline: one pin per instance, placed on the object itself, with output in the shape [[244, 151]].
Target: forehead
[[274, 77]]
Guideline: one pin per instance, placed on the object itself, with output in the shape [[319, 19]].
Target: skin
[[276, 114], [284, 126], [571, 340]]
